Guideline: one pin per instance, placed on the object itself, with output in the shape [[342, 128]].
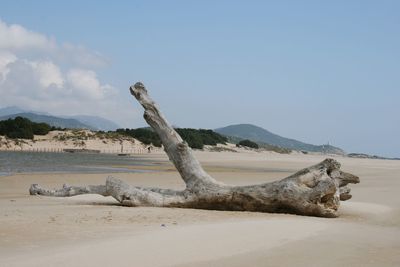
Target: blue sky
[[316, 71]]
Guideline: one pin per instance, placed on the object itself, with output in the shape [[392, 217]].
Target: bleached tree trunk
[[315, 191]]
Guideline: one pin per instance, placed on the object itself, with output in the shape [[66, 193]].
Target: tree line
[[23, 128], [196, 138]]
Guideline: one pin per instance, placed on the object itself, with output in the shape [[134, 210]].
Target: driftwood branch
[[315, 191]]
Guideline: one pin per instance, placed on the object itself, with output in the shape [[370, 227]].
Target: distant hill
[[97, 122], [78, 121], [258, 134], [51, 120], [10, 110], [263, 145], [15, 110]]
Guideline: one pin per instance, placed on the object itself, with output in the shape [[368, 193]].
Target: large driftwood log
[[315, 191]]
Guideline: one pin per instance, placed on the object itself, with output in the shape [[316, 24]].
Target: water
[[26, 162]]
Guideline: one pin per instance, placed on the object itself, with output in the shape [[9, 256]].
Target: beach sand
[[92, 230]]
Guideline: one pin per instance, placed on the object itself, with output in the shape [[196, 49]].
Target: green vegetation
[[195, 138], [23, 128], [268, 147], [221, 149], [41, 128], [144, 135], [277, 149], [199, 138], [114, 136], [248, 143]]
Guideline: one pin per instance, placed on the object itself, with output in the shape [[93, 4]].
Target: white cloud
[[19, 40], [6, 58], [38, 74], [43, 80], [81, 56], [16, 37], [48, 74], [85, 83]]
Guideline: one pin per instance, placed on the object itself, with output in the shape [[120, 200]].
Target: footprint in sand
[[108, 217], [52, 219]]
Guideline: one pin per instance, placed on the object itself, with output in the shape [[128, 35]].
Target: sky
[[316, 71]]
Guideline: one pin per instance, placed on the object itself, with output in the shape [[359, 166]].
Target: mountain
[[258, 134], [10, 110], [97, 122], [78, 121], [51, 120]]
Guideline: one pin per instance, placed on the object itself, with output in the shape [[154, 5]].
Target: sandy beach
[[92, 230]]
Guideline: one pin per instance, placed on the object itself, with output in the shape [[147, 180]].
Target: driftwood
[[315, 191]]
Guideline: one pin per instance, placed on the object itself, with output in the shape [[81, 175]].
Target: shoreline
[[50, 162]]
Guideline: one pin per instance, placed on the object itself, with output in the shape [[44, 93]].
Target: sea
[[46, 162]]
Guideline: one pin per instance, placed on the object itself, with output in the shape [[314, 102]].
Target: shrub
[[248, 143], [194, 137], [144, 135], [17, 128], [41, 128], [22, 128]]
